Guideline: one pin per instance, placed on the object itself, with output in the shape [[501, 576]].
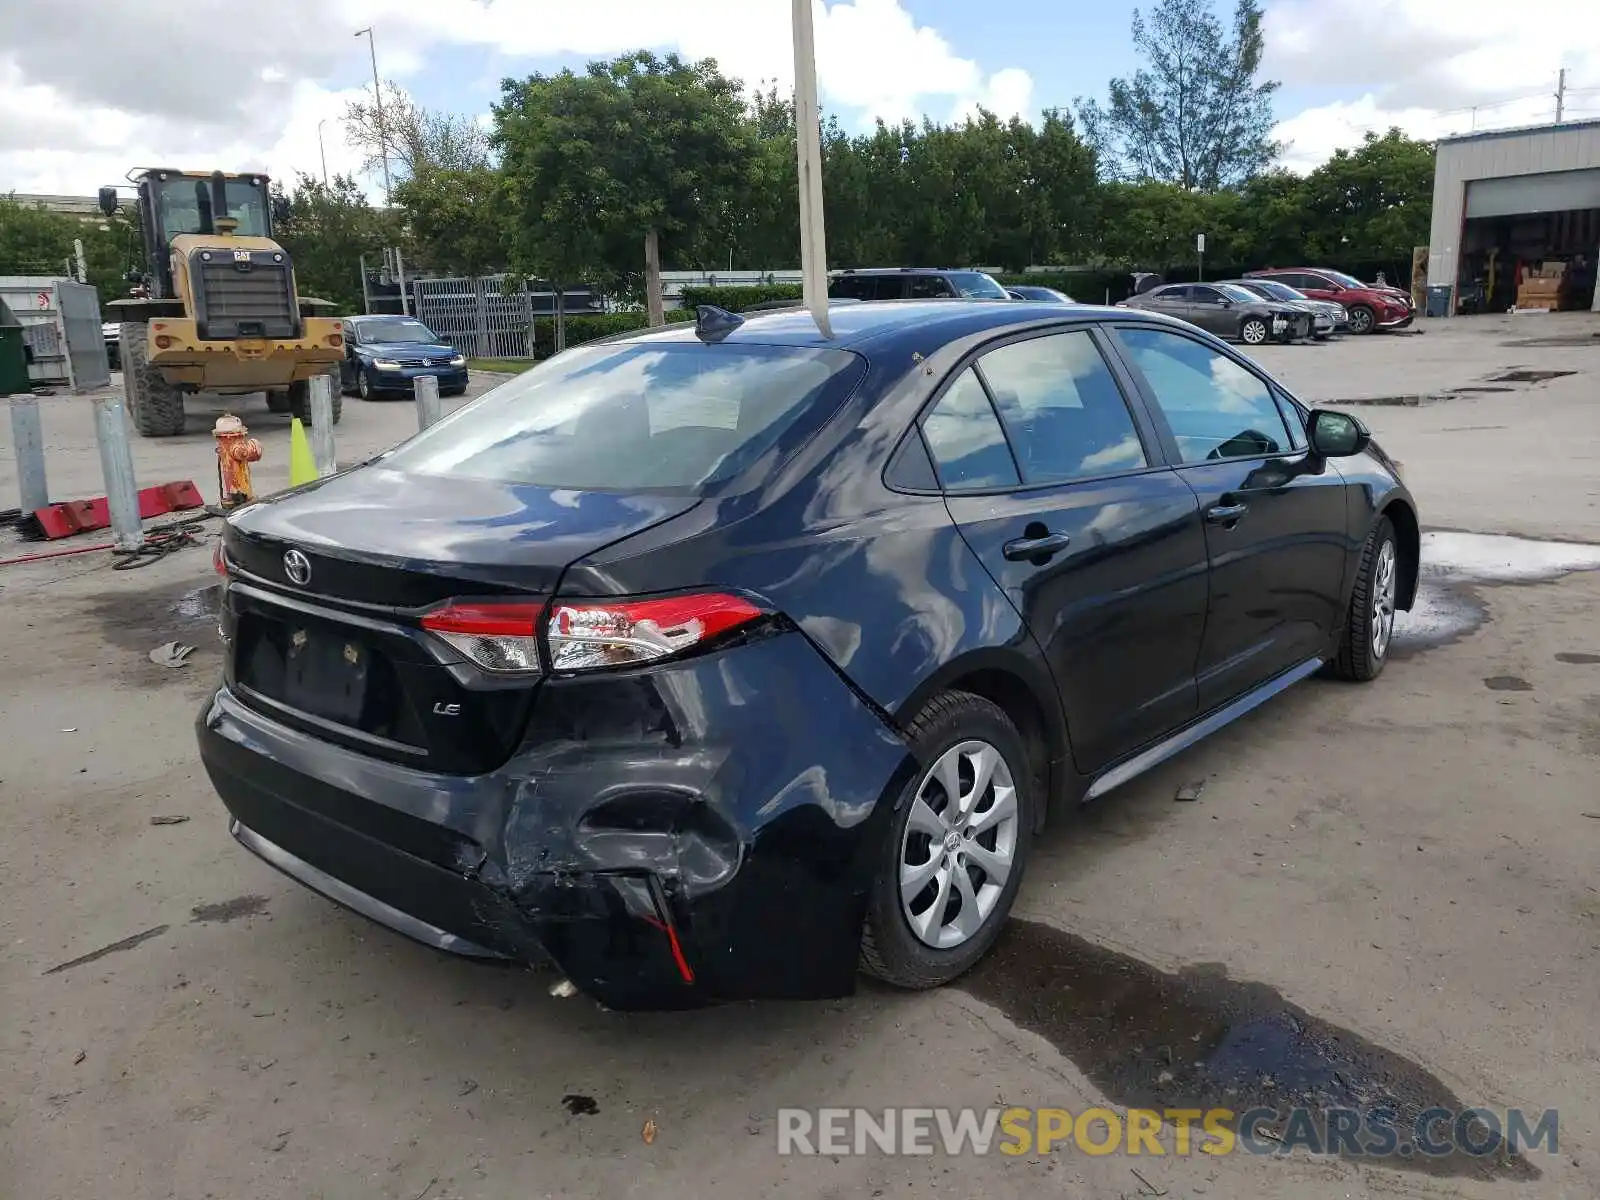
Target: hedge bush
[[586, 327], [735, 299]]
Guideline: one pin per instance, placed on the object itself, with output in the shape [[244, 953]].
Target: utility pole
[[323, 150], [1561, 94], [377, 95]]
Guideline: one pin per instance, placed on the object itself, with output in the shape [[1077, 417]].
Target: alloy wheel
[[363, 385], [1383, 593], [1254, 332], [1360, 320], [959, 845]]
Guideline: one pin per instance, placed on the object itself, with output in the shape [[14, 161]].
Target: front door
[[1275, 522], [1048, 476], [1211, 310]]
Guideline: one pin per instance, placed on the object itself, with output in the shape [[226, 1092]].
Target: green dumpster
[[13, 356]]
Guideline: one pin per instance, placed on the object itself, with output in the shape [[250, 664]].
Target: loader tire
[[300, 396], [155, 405]]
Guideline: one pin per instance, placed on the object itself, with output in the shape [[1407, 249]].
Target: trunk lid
[[327, 584]]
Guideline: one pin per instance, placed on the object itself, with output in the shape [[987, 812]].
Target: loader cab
[[177, 202]]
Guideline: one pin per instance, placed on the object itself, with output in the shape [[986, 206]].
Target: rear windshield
[[637, 416], [977, 285]]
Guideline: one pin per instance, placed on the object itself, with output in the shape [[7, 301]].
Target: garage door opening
[[1530, 241]]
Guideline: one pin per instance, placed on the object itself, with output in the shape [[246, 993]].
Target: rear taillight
[[501, 638], [593, 634], [219, 559]]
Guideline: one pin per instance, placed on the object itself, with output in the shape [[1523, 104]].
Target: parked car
[[914, 283], [384, 355], [1027, 291], [715, 660], [111, 331], [1369, 306], [1227, 311], [1327, 317]]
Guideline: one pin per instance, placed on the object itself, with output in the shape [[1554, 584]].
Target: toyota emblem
[[297, 567]]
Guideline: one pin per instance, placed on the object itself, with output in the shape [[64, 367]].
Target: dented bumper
[[703, 830]]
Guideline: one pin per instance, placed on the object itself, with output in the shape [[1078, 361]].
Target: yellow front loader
[[215, 307]]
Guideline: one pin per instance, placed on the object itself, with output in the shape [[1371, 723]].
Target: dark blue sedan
[[384, 355], [718, 661]]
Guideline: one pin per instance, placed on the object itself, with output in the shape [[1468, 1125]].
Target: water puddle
[[1196, 1039], [1525, 376], [1452, 563]]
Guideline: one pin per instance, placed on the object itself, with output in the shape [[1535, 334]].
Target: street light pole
[[323, 150], [377, 93]]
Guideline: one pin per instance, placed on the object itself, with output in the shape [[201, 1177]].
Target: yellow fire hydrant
[[236, 450]]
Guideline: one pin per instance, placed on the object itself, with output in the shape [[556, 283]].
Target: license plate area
[[320, 669]]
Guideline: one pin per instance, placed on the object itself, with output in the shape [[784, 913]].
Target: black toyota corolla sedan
[[722, 660]]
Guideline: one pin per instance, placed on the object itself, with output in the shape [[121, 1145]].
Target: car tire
[[363, 384], [951, 738], [1362, 319], [1253, 331], [1368, 631]]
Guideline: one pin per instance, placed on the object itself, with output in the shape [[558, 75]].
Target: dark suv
[[915, 283]]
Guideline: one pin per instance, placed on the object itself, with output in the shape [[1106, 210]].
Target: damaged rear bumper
[[699, 831]]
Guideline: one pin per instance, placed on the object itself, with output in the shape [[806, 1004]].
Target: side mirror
[[1336, 434], [109, 204]]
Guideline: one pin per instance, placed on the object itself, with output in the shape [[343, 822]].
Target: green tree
[[640, 151], [456, 218], [1194, 114], [36, 241], [326, 228], [1371, 204]]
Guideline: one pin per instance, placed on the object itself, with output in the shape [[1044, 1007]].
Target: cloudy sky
[[90, 88]]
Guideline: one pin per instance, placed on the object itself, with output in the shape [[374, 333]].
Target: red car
[[1369, 306]]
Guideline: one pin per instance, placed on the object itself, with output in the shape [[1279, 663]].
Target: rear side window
[[1063, 408], [851, 287], [1215, 408], [637, 416], [966, 441], [889, 287], [924, 286]]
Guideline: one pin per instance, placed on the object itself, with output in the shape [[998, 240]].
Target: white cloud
[[79, 105], [1430, 67]]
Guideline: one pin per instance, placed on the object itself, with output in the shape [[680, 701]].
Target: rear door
[[1172, 300], [1275, 516], [1057, 484]]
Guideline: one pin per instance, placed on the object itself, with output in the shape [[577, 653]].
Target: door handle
[[1024, 549], [1226, 514]]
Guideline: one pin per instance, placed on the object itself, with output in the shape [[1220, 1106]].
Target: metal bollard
[[322, 452], [116, 462], [427, 388], [29, 438]]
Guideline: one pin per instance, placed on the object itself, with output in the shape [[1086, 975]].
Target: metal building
[[1513, 206]]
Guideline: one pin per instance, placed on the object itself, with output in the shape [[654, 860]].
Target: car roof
[[848, 271], [857, 325]]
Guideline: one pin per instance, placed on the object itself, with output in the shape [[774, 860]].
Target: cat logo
[[441, 709], [241, 256]]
